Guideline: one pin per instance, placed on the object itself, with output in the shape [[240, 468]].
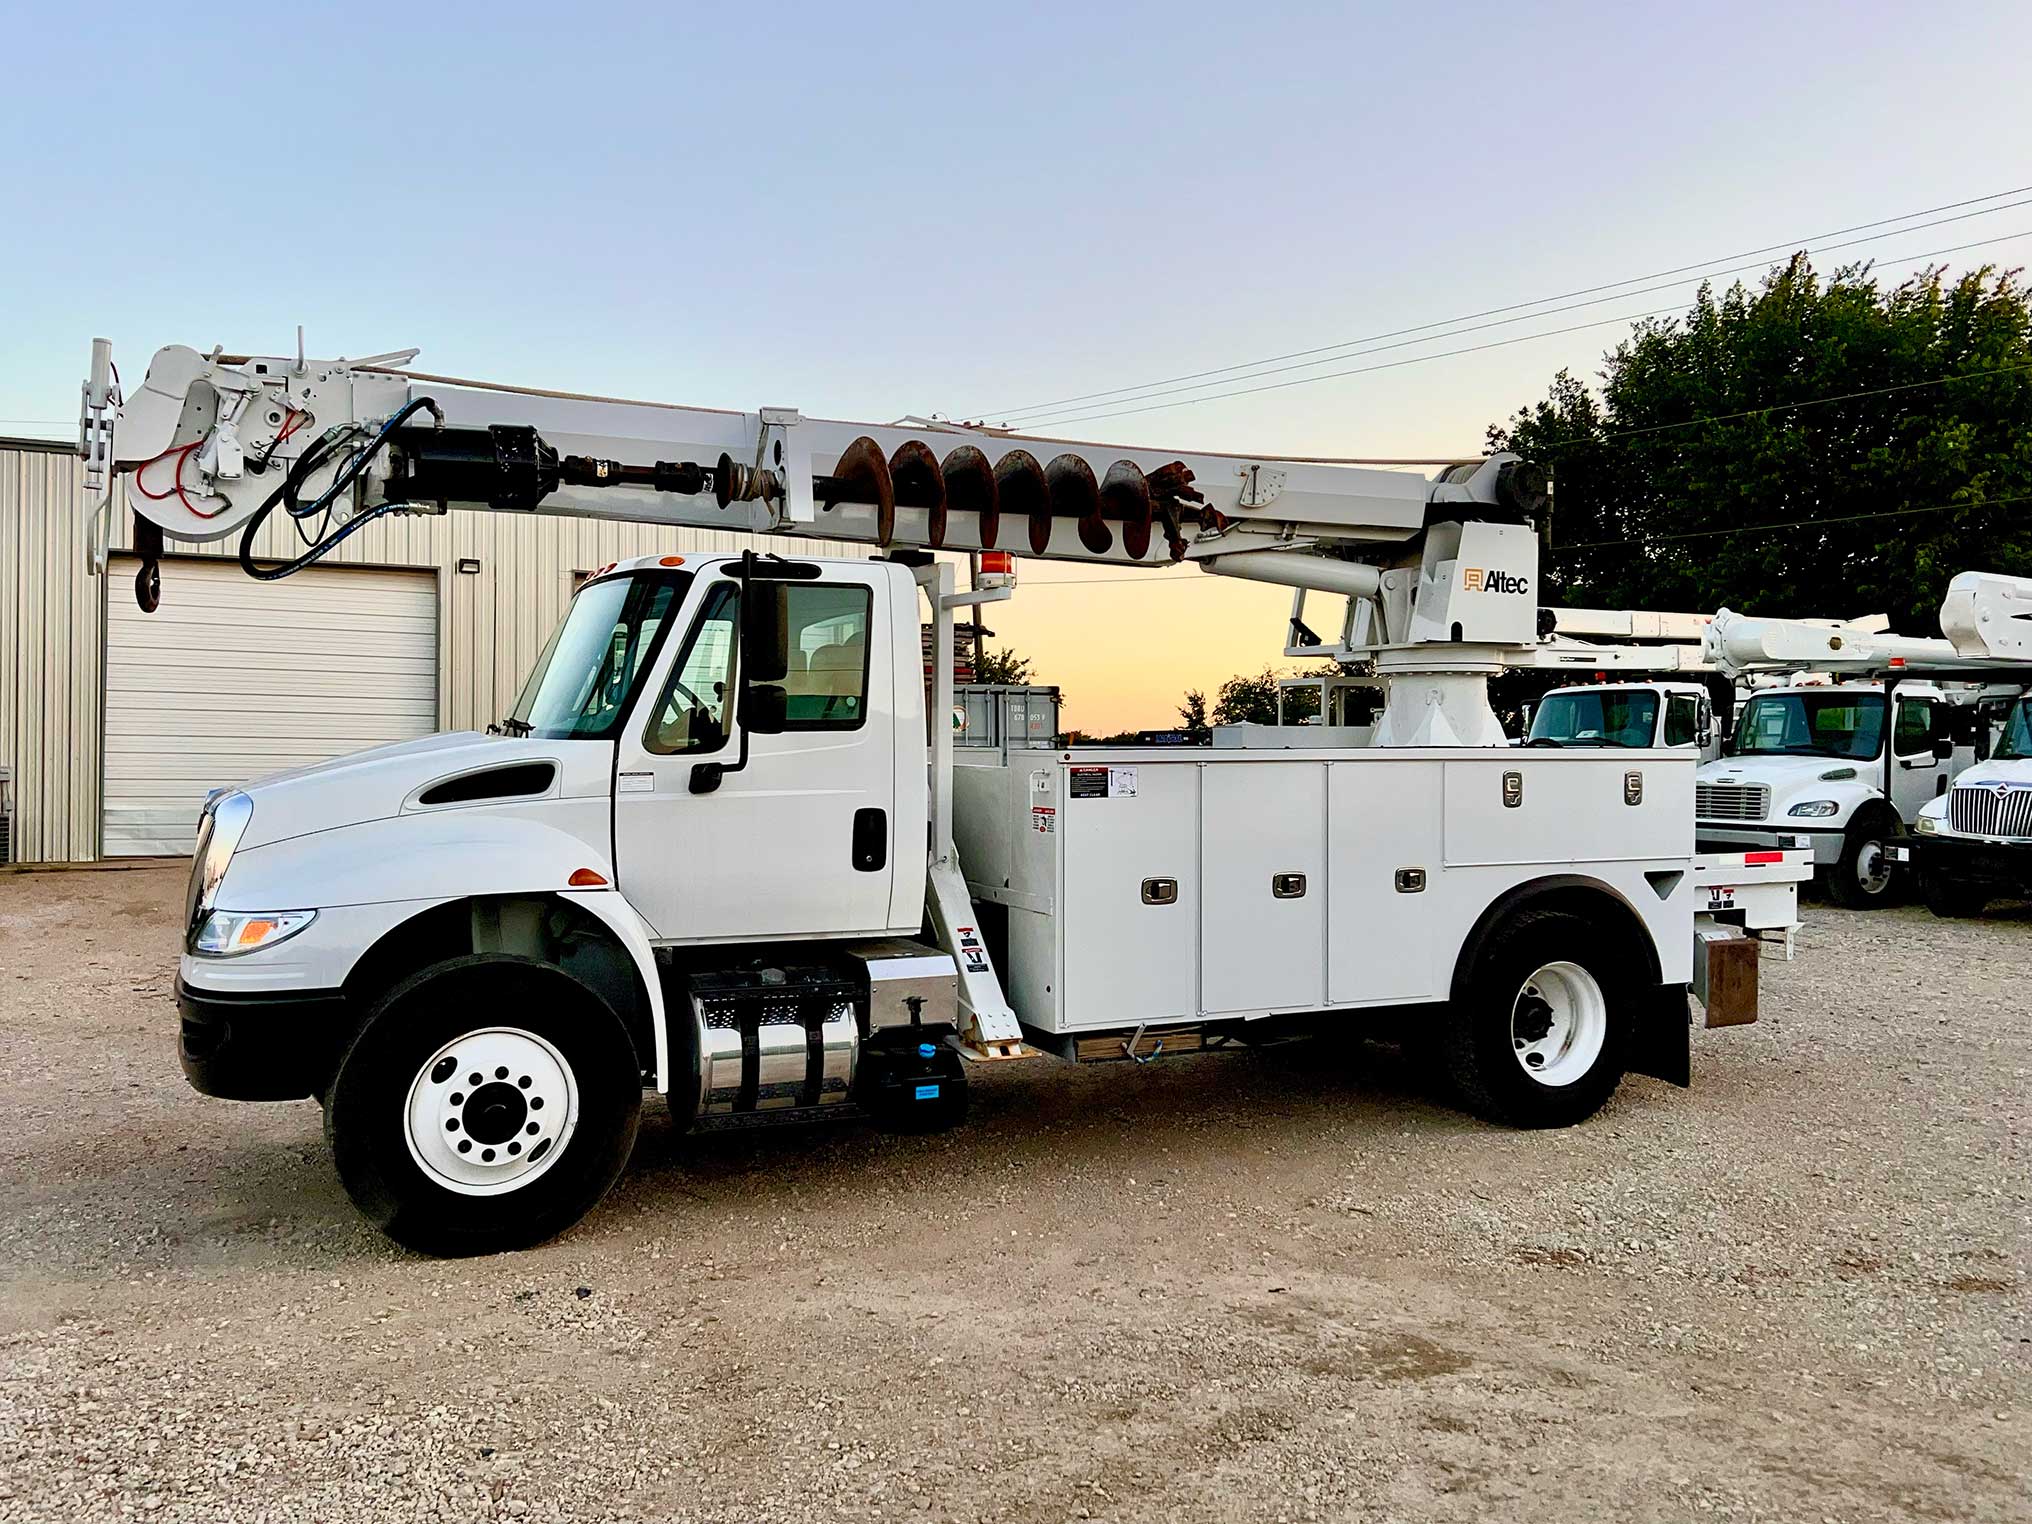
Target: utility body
[[725, 847]]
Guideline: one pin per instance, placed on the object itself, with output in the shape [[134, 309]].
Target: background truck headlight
[[1927, 825], [228, 933], [1816, 807]]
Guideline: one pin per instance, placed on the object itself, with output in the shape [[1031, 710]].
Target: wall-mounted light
[[468, 566]]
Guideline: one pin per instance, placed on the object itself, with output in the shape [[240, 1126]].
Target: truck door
[[1916, 773], [800, 842]]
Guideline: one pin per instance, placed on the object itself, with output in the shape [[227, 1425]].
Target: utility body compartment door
[[1263, 892], [1129, 910]]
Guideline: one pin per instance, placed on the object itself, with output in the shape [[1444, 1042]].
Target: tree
[[1192, 714], [1252, 700], [1003, 666], [1859, 446]]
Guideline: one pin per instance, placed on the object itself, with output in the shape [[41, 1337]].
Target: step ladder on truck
[[722, 849]]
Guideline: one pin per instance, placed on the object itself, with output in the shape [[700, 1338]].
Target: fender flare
[[632, 933]]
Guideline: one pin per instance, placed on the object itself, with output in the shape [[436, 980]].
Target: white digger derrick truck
[[722, 849]]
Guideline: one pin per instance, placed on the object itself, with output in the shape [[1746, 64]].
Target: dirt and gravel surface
[[1274, 1285]]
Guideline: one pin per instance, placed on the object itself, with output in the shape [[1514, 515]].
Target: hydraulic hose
[[301, 472]]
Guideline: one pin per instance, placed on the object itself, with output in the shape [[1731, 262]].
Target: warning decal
[[1101, 783]]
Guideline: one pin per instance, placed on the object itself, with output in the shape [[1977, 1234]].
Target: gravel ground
[[1274, 1285]]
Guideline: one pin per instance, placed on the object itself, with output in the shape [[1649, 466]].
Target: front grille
[[1731, 801], [1982, 809]]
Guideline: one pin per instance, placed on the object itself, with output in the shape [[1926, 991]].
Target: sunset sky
[[872, 211]]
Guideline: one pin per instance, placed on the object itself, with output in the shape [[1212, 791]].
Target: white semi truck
[[722, 848]]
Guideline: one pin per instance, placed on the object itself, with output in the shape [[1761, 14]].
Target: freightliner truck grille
[[1983, 809], [1731, 801]]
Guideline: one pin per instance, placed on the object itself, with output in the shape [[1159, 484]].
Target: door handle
[[871, 840]]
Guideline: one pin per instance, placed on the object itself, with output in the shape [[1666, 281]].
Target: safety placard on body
[[1101, 783]]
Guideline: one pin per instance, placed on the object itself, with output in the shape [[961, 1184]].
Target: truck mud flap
[[1662, 1045]]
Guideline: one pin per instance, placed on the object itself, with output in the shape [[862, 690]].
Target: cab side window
[[1682, 720], [697, 704], [826, 687], [1915, 726]]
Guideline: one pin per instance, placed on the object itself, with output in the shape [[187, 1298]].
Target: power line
[[1846, 518], [1445, 354], [1511, 307], [1158, 579], [1553, 311], [1788, 407]]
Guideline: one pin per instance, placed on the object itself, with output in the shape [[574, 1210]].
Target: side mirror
[[765, 636], [1943, 748], [763, 709]]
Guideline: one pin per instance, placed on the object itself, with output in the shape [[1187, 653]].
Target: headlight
[[1927, 825], [220, 828], [228, 933], [1815, 807]]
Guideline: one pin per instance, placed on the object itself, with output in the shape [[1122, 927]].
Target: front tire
[[1541, 1034], [487, 1103], [1863, 877], [1951, 901]]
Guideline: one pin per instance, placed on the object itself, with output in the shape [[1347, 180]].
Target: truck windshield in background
[[582, 683], [1613, 717], [2016, 742], [1831, 724]]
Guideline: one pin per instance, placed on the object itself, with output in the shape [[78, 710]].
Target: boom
[[250, 434]]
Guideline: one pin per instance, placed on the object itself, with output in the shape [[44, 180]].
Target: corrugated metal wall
[[52, 620], [50, 631]]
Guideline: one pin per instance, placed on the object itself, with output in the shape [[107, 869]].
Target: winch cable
[[312, 459]]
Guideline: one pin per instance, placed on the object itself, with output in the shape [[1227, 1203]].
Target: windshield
[[1609, 717], [2017, 739], [1831, 724], [583, 681]]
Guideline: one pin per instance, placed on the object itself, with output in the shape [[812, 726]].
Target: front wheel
[[487, 1103], [1951, 901], [1863, 876], [1541, 1034]]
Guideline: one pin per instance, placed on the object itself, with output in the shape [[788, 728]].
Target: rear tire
[[487, 1103], [1952, 901], [1863, 878], [1541, 1035]]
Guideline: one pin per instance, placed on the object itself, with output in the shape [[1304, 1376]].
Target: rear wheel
[[487, 1103], [1952, 901], [1864, 877], [1541, 1034]]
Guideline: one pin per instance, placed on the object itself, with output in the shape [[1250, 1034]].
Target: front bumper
[[1713, 836], [259, 1046], [1964, 860]]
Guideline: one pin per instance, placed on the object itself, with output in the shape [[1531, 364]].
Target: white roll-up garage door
[[233, 679]]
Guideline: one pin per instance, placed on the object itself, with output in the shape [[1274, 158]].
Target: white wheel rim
[[1558, 1023], [506, 1095], [1873, 868]]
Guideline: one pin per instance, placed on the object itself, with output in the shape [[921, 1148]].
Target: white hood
[[376, 784], [1794, 779]]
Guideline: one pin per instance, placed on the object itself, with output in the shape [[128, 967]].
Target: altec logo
[[1475, 579]]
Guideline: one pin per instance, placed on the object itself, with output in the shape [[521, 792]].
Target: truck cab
[[1807, 766], [1973, 844], [1671, 715]]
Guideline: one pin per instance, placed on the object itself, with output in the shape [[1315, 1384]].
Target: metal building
[[114, 723]]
